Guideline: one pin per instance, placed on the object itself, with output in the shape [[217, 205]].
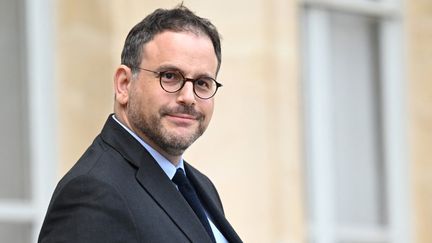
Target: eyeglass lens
[[173, 81]]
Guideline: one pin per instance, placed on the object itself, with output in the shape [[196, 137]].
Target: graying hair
[[177, 19]]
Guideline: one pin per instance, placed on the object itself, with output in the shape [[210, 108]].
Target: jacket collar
[[154, 180]]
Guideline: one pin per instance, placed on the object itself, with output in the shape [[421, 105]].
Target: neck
[[174, 159]]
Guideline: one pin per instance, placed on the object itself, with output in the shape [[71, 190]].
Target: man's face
[[172, 121]]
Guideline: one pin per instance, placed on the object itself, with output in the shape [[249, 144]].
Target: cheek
[[139, 103], [208, 109], [147, 100]]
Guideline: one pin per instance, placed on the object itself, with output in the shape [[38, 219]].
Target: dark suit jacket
[[117, 192]]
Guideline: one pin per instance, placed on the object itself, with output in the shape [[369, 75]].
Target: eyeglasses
[[173, 81]]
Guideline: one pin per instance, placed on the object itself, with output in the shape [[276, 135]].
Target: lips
[[181, 117], [183, 120]]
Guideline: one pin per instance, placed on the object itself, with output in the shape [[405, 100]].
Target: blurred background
[[322, 131]]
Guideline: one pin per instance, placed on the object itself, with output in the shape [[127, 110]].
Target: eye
[[170, 76], [204, 83]]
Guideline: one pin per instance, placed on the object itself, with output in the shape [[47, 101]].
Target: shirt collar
[[165, 164]]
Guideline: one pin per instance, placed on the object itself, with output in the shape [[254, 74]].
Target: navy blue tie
[[189, 193]]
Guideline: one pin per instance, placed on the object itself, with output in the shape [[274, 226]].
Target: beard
[[151, 126]]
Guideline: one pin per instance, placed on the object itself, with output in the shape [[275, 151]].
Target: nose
[[186, 95]]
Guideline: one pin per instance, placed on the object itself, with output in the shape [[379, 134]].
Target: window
[[356, 175], [27, 148]]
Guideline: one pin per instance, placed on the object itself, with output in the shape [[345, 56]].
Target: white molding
[[395, 133], [318, 95], [16, 211], [370, 8], [42, 105]]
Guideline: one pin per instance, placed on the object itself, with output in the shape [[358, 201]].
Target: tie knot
[[180, 178]]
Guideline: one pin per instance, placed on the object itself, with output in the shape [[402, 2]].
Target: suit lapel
[[160, 187], [211, 205], [154, 181]]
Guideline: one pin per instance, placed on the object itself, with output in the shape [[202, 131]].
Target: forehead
[[189, 51]]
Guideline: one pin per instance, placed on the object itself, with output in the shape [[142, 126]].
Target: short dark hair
[[177, 19]]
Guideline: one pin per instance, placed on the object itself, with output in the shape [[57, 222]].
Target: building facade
[[324, 118]]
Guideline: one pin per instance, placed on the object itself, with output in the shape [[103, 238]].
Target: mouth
[[182, 116], [181, 119]]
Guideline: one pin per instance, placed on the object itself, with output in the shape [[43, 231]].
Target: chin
[[183, 135]]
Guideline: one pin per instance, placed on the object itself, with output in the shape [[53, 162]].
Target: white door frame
[[39, 23], [318, 118]]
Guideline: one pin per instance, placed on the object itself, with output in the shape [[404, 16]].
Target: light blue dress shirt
[[170, 171]]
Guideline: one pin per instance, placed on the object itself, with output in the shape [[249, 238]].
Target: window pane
[[14, 148], [350, 1], [15, 232], [369, 241], [356, 121]]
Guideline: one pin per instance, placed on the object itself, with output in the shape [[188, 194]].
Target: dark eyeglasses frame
[[160, 74]]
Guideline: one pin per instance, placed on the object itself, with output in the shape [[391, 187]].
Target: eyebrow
[[170, 67]]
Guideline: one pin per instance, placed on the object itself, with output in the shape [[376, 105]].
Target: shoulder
[[100, 161], [84, 207]]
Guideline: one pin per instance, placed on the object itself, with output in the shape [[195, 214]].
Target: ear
[[122, 82]]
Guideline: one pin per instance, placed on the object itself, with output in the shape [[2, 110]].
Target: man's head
[[165, 45], [179, 19]]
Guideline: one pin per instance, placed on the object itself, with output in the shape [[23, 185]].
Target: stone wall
[[419, 60], [252, 147]]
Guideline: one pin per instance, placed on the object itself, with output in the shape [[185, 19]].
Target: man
[[130, 184]]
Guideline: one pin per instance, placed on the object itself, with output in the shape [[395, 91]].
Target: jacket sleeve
[[88, 210]]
